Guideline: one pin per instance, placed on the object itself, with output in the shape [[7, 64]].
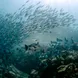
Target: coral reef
[[55, 61], [35, 61]]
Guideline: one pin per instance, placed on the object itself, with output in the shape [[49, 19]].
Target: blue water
[[53, 29]]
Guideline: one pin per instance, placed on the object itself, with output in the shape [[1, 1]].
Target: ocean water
[[36, 37]]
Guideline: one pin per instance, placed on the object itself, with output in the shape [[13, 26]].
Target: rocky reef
[[37, 61]]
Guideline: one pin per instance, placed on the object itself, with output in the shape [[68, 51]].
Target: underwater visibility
[[39, 39]]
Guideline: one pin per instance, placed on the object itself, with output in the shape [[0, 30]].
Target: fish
[[59, 40], [26, 47], [30, 18], [66, 40]]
